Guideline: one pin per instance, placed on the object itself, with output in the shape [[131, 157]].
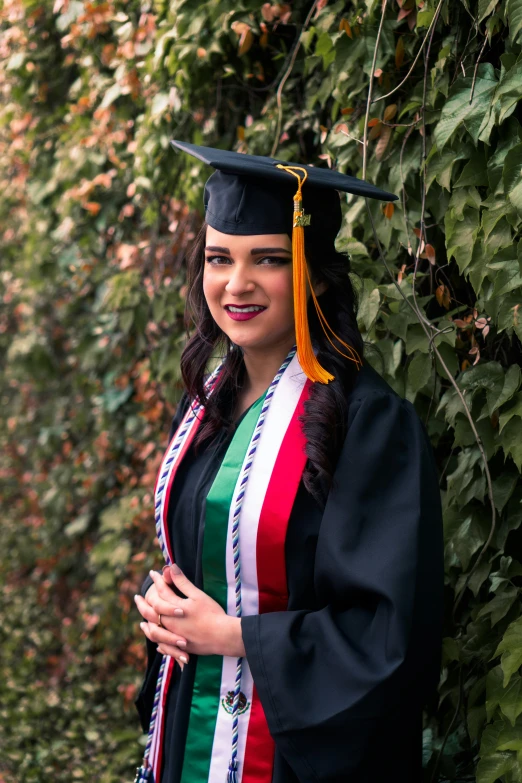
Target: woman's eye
[[216, 260], [273, 260]]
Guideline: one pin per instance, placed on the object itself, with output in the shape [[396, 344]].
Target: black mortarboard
[[250, 195]]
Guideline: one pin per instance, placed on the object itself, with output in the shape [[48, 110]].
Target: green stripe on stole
[[206, 695]]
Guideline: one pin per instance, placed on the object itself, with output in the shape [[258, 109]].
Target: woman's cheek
[[212, 293]]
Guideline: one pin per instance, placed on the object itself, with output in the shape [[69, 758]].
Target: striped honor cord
[[144, 772], [232, 776]]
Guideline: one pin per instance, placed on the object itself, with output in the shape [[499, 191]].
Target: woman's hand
[[195, 624]]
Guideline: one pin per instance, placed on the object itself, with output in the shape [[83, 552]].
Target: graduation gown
[[342, 674]]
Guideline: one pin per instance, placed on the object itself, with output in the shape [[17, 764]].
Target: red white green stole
[[278, 460]]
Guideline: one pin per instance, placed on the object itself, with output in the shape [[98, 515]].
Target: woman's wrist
[[230, 637]]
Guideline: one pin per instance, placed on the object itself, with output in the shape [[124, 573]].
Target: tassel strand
[[301, 282]]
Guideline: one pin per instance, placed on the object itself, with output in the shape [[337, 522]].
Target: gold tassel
[[301, 277]]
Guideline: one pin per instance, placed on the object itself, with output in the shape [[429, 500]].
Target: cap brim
[[259, 166]]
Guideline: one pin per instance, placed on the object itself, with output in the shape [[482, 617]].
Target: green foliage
[[96, 214]]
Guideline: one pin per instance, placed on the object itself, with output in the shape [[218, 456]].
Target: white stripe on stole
[[279, 416]]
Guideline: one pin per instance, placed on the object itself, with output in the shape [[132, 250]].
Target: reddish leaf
[[399, 53], [388, 210], [380, 149], [429, 250]]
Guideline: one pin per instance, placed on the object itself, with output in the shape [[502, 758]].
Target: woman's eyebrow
[[254, 252], [218, 249], [257, 250]]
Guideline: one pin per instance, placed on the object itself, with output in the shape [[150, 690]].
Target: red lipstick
[[244, 312]]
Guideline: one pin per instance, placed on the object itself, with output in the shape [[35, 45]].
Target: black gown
[[344, 673]]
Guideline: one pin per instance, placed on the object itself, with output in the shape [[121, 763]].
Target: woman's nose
[[240, 281]]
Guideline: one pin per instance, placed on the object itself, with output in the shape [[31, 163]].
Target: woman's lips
[[243, 313]]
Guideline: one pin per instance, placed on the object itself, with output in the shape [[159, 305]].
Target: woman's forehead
[[215, 238]]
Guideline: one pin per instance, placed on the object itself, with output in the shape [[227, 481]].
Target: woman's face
[[247, 282]]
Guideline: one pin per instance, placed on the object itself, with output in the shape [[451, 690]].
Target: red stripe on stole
[[159, 755], [271, 576]]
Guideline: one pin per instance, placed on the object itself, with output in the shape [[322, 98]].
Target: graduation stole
[[246, 519]]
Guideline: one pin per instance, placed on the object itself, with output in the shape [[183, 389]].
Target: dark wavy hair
[[325, 419]]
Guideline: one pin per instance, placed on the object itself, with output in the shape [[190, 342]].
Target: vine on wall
[[421, 97]]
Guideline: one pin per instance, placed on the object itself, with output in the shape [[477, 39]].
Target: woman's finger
[[145, 609], [174, 652], [180, 581], [166, 650], [161, 635], [157, 606], [166, 575]]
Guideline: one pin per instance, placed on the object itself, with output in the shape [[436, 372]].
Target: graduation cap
[[253, 194]]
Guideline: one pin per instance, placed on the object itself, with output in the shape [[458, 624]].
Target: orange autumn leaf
[[443, 296], [345, 25], [390, 112], [347, 110], [388, 210], [246, 37], [375, 121], [92, 207], [429, 251], [399, 53]]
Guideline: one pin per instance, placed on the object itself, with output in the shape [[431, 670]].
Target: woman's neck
[[262, 366]]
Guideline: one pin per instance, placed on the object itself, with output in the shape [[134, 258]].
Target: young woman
[[295, 632]]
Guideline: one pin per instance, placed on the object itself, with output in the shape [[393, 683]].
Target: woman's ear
[[320, 287]]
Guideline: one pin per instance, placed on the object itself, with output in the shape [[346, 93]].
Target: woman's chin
[[256, 339]]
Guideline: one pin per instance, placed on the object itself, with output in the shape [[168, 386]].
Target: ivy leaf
[[490, 768], [419, 371], [500, 605], [494, 692], [511, 441], [508, 92], [458, 110], [513, 409], [369, 304], [474, 173], [511, 176], [461, 235], [503, 487], [511, 702], [485, 8], [511, 649], [514, 17]]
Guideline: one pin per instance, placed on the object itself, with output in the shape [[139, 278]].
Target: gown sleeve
[[330, 680]]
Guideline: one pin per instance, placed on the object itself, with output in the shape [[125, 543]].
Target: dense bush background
[[96, 212]]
